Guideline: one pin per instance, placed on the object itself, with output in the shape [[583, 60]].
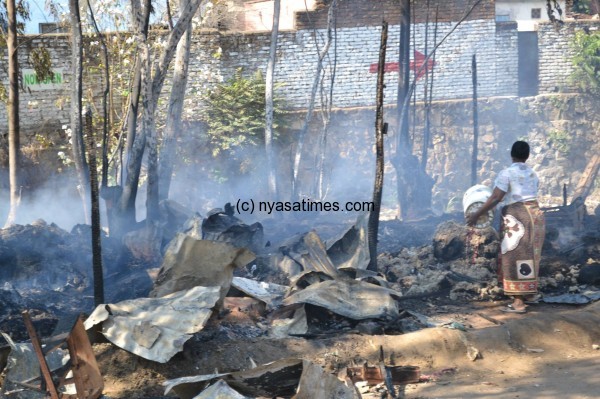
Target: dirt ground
[[550, 352], [547, 353]]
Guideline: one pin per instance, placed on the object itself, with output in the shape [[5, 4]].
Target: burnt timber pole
[[95, 206], [380, 129], [475, 122]]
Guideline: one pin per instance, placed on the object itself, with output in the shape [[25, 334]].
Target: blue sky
[[38, 14]]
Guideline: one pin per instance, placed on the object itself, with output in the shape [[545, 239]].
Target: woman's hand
[[495, 198], [471, 219]]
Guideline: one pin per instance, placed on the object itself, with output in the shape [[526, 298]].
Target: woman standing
[[522, 228]]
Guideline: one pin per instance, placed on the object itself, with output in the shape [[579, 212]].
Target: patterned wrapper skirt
[[522, 236]]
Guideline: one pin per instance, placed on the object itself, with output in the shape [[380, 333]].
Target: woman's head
[[520, 151]]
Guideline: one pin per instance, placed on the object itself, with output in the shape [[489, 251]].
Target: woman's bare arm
[[492, 201]]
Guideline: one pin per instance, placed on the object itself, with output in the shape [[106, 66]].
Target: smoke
[[56, 201], [202, 182]]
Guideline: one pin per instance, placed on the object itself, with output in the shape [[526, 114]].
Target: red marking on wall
[[415, 65]]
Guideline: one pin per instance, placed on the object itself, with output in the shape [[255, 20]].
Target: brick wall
[[355, 13], [356, 51], [215, 57], [41, 110], [554, 43]]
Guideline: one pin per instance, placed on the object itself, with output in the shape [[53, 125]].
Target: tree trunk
[[475, 122], [594, 7], [132, 115], [174, 112], [414, 186], [403, 147], [76, 100], [319, 190], [311, 106], [131, 166], [373, 226], [427, 135], [149, 129], [95, 203], [402, 138], [427, 105], [13, 112], [105, 94], [152, 82], [271, 178]]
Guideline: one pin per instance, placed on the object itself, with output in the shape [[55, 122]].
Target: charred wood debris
[[298, 278]]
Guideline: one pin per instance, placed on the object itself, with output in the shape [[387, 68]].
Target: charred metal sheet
[[316, 383], [304, 253], [22, 365], [220, 390], [278, 378], [350, 249], [296, 378], [189, 262], [294, 322], [307, 278], [353, 299], [318, 259], [270, 294], [571, 299], [221, 225], [156, 328]]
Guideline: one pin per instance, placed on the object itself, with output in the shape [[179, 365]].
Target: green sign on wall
[[31, 81]]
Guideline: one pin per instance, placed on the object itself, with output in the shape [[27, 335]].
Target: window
[[502, 17], [536, 13]]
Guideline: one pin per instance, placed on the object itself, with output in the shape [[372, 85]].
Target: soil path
[[546, 353]]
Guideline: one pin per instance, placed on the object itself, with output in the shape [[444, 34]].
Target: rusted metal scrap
[[373, 375], [80, 372]]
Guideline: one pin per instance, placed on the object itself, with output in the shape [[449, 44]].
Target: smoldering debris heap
[[49, 268], [458, 261], [219, 281], [43, 268]]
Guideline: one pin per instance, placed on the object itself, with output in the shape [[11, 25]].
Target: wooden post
[[95, 206], [380, 128], [37, 348]]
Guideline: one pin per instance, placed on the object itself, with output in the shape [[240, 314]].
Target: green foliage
[[22, 9], [121, 47], [558, 102], [587, 62], [43, 141], [582, 6], [561, 140], [235, 113], [41, 62]]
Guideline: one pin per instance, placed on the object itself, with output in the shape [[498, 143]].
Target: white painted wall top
[[522, 12], [259, 14]]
